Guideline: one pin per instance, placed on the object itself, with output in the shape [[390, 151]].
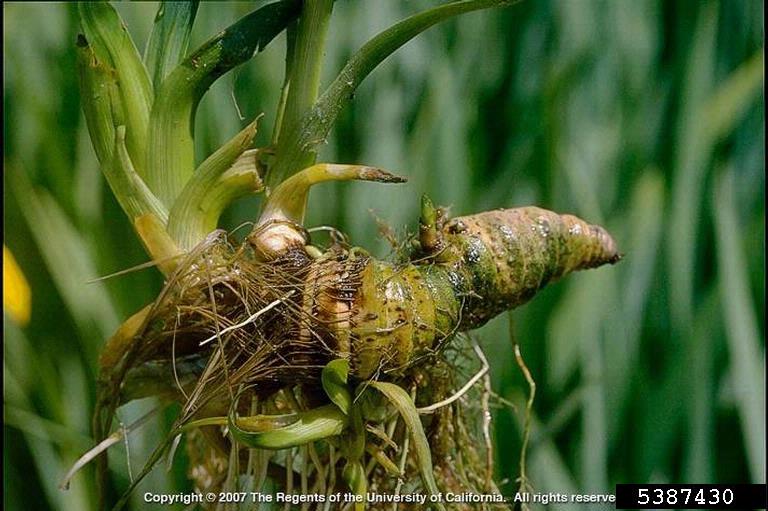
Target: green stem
[[290, 50], [304, 81]]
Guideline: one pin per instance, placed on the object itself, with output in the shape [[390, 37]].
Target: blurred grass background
[[644, 116]]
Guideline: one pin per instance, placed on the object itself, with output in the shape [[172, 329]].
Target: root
[[105, 444], [525, 485], [461, 392], [250, 319]]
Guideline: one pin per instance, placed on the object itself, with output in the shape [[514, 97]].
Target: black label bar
[[690, 496]]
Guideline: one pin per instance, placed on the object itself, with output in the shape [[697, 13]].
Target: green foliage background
[[644, 116]]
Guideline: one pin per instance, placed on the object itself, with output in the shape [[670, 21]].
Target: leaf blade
[[334, 380], [407, 409], [105, 32], [747, 363], [309, 426], [169, 39]]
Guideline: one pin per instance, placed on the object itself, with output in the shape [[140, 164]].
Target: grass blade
[[643, 237], [747, 363], [51, 436], [170, 38], [729, 102], [694, 150], [707, 332]]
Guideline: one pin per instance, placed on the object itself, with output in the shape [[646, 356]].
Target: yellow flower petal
[[17, 298]]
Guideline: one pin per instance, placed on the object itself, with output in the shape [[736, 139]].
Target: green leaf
[[334, 380], [131, 192], [730, 101], [171, 155], [742, 330], [318, 122], [354, 476], [267, 432], [101, 103], [644, 227], [407, 409], [104, 110], [214, 186], [692, 161], [170, 37], [114, 48]]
